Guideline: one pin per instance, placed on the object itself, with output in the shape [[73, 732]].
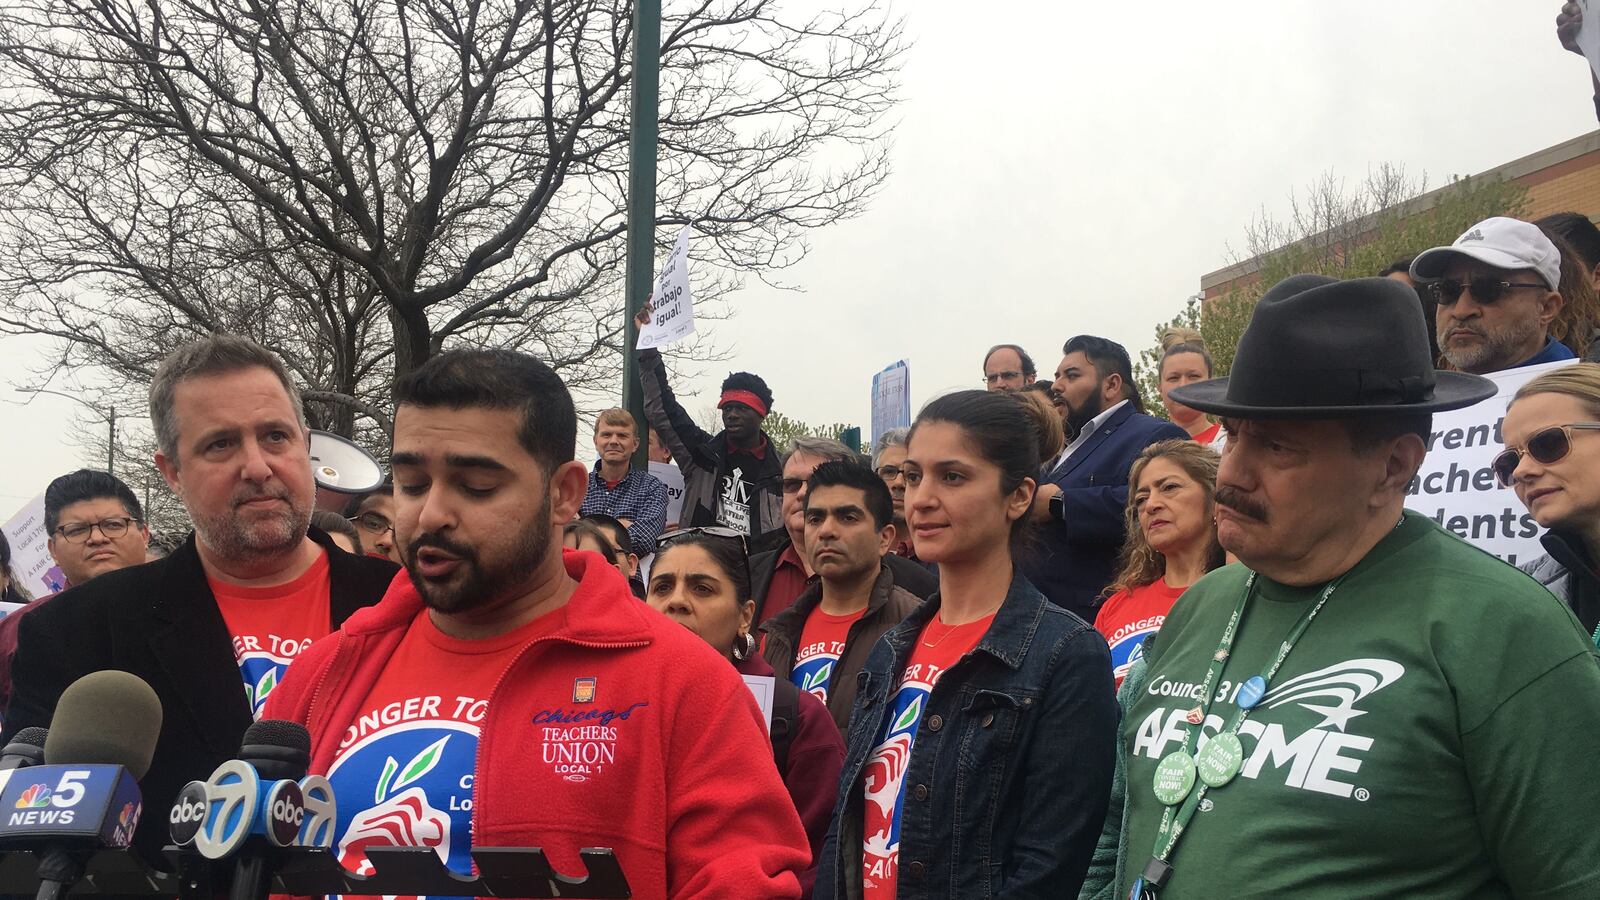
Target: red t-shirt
[[1205, 438], [1128, 617], [403, 772], [271, 625], [883, 781], [821, 645], [788, 582]]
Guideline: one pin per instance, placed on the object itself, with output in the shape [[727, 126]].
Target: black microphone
[[26, 749], [99, 744], [279, 751]]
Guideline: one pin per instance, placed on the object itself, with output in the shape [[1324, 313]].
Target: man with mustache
[[510, 693], [213, 626], [1364, 705], [1497, 293], [1083, 493]]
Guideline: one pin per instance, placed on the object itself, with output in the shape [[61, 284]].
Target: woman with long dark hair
[[701, 578], [982, 740], [11, 590]]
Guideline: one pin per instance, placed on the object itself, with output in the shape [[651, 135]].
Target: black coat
[[160, 622], [907, 574]]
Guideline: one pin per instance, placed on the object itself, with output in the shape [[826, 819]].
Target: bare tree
[[1328, 220], [356, 182]]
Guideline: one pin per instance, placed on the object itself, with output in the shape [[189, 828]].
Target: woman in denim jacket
[[982, 741]]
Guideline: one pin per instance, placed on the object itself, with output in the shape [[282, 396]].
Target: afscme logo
[[1322, 758], [1334, 692]]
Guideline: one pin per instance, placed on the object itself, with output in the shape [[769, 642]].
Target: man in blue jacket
[[1083, 492]]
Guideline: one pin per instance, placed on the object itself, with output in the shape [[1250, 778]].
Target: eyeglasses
[[716, 531], [793, 485], [376, 523], [997, 377], [112, 528], [1485, 289], [1546, 446], [890, 473]]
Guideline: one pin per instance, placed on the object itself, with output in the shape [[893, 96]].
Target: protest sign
[[891, 399], [1455, 486], [31, 561], [1589, 34], [672, 304], [762, 687], [670, 475]]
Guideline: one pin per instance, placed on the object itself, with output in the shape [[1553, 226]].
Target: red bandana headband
[[745, 397]]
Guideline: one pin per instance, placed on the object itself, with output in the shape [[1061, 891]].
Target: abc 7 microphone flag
[[216, 816]]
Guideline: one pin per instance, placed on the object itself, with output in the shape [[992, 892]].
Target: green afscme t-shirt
[[1435, 733]]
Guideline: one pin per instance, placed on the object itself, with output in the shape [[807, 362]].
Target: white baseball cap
[[1500, 242]]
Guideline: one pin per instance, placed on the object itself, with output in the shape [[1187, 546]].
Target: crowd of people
[[1039, 643]]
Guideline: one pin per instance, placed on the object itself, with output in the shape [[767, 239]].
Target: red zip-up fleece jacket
[[692, 805]]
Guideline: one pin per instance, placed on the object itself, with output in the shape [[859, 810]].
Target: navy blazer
[[1073, 560]]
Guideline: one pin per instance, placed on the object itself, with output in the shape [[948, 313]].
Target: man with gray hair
[[888, 452], [212, 626], [779, 574]]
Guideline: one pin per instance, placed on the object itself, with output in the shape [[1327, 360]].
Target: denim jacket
[[1009, 777]]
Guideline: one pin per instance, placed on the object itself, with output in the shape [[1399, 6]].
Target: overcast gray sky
[[1067, 168]]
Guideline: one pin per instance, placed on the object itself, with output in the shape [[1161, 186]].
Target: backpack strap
[[785, 720]]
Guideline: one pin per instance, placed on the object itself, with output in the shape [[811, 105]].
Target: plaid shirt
[[639, 497]]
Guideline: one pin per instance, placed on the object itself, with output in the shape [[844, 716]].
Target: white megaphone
[[341, 469]]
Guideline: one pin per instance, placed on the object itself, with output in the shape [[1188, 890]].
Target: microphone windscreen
[[106, 717], [33, 736], [277, 748]]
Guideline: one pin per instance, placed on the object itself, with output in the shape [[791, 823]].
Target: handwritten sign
[[1455, 486], [891, 399], [672, 304]]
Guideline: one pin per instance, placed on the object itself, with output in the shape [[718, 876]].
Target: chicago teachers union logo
[[884, 777], [407, 785]]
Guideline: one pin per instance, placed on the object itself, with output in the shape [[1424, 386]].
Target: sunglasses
[[1546, 446], [716, 531], [1485, 289]]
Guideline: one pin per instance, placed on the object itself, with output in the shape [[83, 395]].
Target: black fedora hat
[[1321, 348]]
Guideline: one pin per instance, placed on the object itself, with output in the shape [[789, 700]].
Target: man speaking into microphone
[[511, 694], [212, 626]]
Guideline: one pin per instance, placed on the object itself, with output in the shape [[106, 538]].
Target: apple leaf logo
[[420, 765]]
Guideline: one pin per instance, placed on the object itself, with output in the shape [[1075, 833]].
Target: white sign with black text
[[1455, 486]]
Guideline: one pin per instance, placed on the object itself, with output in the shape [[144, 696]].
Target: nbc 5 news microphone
[[85, 795], [254, 806]]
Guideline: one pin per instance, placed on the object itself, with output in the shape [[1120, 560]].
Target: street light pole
[[642, 135], [109, 412]]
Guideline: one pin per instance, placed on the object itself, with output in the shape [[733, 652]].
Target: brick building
[[1562, 178]]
